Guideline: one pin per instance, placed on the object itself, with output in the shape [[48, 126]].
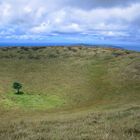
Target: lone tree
[[17, 86]]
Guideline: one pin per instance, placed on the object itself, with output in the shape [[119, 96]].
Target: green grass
[[70, 93], [27, 101], [79, 76]]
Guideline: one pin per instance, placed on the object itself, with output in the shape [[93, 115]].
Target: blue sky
[[80, 21]]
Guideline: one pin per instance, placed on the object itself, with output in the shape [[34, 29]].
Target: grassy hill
[[78, 91]]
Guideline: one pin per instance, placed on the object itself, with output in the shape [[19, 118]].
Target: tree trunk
[[17, 91]]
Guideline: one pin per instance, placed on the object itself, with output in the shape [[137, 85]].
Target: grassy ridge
[[78, 76], [89, 83]]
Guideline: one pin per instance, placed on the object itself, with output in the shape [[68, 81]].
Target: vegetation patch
[[96, 92], [30, 101]]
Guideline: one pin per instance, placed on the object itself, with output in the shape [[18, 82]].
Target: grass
[[27, 101], [119, 125], [70, 93]]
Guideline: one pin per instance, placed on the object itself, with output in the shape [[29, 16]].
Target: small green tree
[[17, 86]]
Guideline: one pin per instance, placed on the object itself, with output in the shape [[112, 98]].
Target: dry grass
[[70, 93], [119, 125]]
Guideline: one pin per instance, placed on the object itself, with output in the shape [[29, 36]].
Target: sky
[[70, 21]]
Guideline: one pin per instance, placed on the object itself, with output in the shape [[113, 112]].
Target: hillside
[[95, 86]]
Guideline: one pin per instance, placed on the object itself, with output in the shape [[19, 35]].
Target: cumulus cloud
[[99, 18]]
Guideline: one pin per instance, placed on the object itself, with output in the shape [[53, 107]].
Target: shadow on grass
[[19, 93]]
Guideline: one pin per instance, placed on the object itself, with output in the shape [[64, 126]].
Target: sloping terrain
[[89, 89]]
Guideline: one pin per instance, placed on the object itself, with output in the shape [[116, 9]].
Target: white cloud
[[51, 16], [43, 27]]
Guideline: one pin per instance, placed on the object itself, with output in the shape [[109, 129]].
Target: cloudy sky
[[70, 20]]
